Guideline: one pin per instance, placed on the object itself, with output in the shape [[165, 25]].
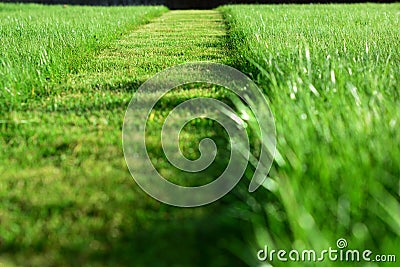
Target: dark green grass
[[67, 197], [331, 74]]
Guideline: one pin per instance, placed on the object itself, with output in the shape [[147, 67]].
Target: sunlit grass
[[67, 198], [331, 74], [40, 45]]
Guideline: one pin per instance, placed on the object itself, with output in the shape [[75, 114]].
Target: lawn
[[67, 197], [42, 44], [331, 77]]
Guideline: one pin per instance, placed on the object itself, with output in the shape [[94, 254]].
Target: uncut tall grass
[[41, 44], [332, 76]]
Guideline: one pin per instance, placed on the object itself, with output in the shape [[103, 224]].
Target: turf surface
[[331, 74], [67, 196]]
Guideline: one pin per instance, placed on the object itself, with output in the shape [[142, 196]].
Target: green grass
[[41, 45], [331, 74], [67, 197]]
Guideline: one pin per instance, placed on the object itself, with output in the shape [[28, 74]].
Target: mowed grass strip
[[331, 74], [67, 196], [42, 44]]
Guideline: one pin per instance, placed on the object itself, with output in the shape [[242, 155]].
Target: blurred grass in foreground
[[331, 74]]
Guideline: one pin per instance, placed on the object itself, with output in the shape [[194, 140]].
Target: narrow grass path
[[68, 198], [174, 38]]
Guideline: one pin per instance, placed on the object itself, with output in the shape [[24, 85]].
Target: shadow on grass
[[196, 241], [177, 243]]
